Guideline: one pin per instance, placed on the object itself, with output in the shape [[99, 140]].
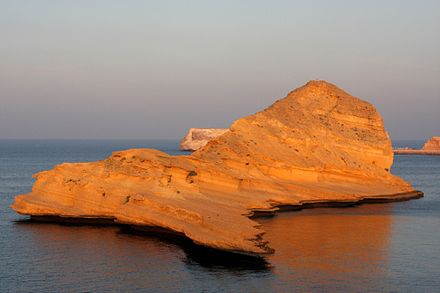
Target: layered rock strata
[[317, 145], [199, 137]]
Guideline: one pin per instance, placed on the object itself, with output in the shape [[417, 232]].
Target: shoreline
[[253, 214], [256, 213]]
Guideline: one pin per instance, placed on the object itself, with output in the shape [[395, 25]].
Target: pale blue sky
[[152, 69]]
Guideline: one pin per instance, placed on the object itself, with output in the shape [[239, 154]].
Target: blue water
[[391, 247]]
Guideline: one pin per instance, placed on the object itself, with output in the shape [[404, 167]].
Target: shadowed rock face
[[433, 144], [199, 137], [318, 144]]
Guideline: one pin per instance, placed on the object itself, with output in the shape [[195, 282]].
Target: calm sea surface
[[391, 247]]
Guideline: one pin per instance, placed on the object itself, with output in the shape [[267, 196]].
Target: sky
[[152, 69]]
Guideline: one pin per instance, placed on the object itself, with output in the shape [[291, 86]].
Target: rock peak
[[318, 82], [319, 85]]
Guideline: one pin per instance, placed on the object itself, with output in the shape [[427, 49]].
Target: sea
[[391, 247]]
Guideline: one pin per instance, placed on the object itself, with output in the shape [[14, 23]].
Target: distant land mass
[[431, 147], [317, 146], [199, 137]]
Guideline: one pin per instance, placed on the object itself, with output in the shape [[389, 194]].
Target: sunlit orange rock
[[318, 144], [433, 144]]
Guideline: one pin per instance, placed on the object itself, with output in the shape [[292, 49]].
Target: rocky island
[[431, 147], [318, 145]]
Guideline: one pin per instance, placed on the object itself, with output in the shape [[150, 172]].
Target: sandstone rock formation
[[433, 144], [199, 137], [317, 145]]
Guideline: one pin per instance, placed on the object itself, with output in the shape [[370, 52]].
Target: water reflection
[[333, 249], [45, 233], [330, 246], [203, 256], [314, 242]]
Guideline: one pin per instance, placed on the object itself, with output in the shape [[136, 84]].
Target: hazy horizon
[[141, 70]]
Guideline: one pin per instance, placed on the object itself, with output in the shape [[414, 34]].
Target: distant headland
[[431, 147]]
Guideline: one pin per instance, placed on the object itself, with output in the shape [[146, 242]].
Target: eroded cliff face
[[433, 144], [318, 144], [199, 137]]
